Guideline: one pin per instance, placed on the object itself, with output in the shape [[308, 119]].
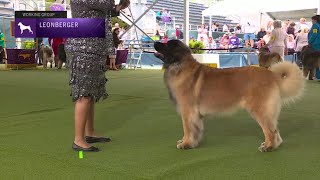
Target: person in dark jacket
[[261, 33]]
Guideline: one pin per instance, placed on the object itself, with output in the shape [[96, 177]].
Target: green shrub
[[195, 46], [29, 44]]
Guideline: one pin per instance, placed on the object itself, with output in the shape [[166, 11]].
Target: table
[[122, 56], [21, 58]]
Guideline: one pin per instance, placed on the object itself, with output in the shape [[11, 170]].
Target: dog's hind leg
[[192, 128], [266, 114]]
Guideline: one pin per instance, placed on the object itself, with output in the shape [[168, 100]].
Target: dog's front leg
[[192, 128]]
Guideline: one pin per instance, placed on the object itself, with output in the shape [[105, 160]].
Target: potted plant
[[201, 55]]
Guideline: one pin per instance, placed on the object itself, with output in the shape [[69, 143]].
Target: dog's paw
[[264, 148], [184, 145], [179, 141]]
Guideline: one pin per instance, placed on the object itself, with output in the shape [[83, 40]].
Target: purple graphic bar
[[59, 28]]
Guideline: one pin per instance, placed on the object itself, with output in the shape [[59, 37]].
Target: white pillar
[[318, 8], [186, 22]]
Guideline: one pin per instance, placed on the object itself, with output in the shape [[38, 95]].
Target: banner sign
[[59, 28], [40, 14]]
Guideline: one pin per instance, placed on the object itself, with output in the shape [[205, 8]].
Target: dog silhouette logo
[[25, 56], [24, 27]]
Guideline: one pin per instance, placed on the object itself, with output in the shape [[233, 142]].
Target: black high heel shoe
[[89, 149]]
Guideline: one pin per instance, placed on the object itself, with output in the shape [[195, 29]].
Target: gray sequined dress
[[86, 57]]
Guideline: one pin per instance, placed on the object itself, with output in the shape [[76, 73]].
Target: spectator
[[225, 28], [278, 40], [301, 41], [238, 29], [2, 55], [261, 33], [158, 15], [165, 39], [303, 24], [249, 34], [54, 43], [116, 25], [269, 26], [291, 44], [38, 57], [234, 41], [214, 27], [211, 44], [202, 32], [179, 33], [224, 42], [291, 29], [116, 42]]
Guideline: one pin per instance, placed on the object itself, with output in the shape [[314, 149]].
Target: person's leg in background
[[252, 37], [61, 55], [1, 55], [113, 62], [39, 55], [246, 39]]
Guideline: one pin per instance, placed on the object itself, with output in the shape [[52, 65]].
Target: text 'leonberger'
[[199, 91]]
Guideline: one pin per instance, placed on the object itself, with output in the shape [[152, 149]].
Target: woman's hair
[[277, 24], [292, 24]]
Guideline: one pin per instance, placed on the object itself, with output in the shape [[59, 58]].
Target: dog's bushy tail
[[290, 80]]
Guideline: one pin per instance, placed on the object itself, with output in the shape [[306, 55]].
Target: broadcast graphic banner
[[59, 28], [40, 14]]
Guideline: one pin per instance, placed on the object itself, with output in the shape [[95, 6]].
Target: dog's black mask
[[172, 52]]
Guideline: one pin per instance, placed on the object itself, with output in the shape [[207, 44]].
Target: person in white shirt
[[303, 24], [249, 30], [278, 40], [203, 33]]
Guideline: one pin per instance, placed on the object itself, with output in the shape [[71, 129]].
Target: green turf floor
[[36, 133]]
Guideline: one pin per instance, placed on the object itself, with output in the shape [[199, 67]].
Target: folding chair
[[136, 51]]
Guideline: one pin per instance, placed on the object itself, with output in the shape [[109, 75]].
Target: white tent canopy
[[276, 9]]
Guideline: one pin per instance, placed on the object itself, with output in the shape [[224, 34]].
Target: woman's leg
[[111, 63], [90, 121], [82, 109]]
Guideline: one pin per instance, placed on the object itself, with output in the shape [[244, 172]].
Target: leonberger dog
[[47, 55], [199, 91], [310, 59], [266, 58]]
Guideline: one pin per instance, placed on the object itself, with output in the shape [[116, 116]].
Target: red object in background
[[177, 33], [55, 44]]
